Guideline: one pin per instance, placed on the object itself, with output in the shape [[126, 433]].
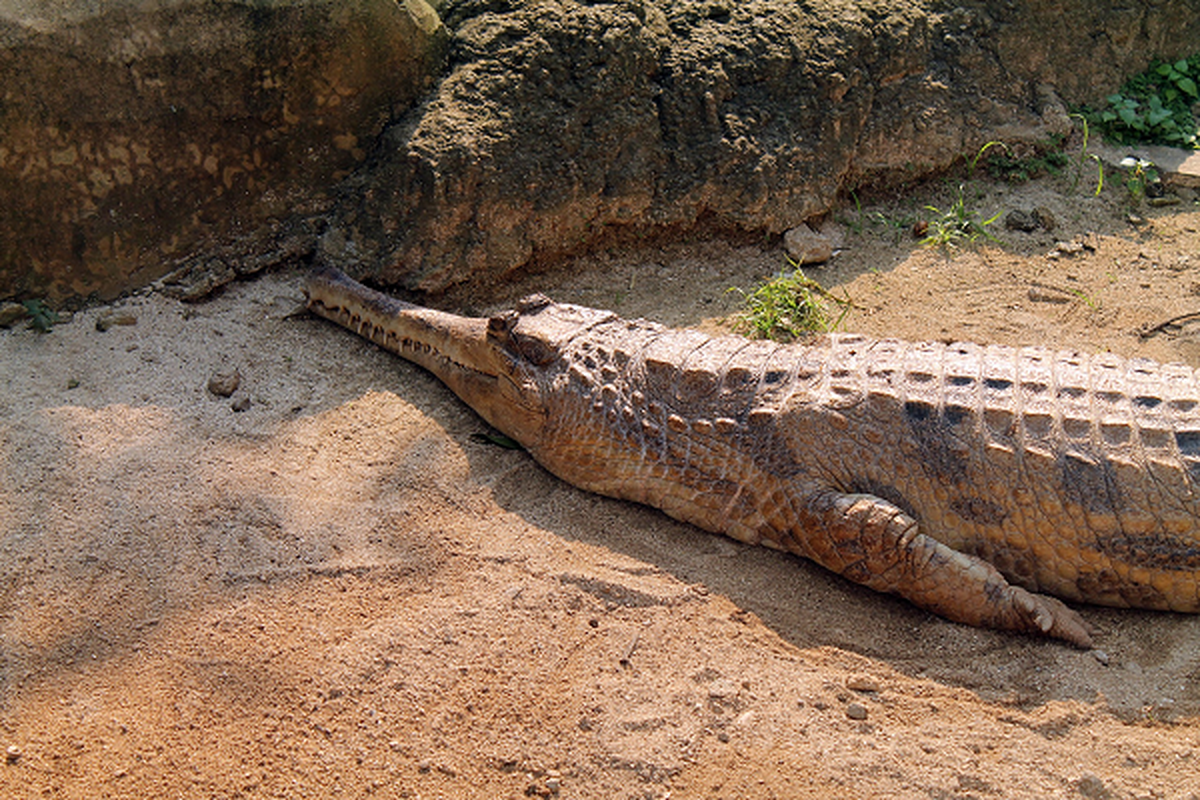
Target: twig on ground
[[1146, 331]]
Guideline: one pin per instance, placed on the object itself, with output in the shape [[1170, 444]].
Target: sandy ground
[[340, 592]]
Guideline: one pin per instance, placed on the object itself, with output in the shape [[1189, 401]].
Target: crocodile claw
[[1052, 617]]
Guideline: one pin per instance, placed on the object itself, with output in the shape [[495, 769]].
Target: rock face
[[138, 135], [132, 131], [560, 122], [1087, 50]]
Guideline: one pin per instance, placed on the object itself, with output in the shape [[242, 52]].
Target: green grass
[[787, 307], [956, 225]]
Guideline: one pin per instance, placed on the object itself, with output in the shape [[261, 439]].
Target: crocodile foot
[[872, 542], [1051, 616]]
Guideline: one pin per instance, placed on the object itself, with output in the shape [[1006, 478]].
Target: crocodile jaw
[[465, 353]]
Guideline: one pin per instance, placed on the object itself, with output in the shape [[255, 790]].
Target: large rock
[[1089, 49], [561, 123], [133, 131]]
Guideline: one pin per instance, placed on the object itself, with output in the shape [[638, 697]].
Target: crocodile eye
[[534, 351]]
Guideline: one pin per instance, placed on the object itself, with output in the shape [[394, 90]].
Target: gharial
[[979, 482]]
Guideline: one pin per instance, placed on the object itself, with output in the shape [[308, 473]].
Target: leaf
[[1128, 116], [497, 439], [1156, 115], [1181, 66], [1188, 85], [41, 317], [1164, 70]]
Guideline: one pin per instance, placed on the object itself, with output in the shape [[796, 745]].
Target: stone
[[211, 139], [224, 384], [806, 246], [1045, 218], [1092, 787], [754, 117], [1040, 42], [856, 711], [1186, 193], [1018, 220], [12, 313], [108, 319], [134, 133], [751, 116], [862, 683]]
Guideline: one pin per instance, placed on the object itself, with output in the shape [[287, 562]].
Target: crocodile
[[984, 483]]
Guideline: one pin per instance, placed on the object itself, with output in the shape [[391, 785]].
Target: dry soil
[[340, 592]]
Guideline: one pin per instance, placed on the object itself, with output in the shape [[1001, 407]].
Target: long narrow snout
[[441, 342], [455, 349]]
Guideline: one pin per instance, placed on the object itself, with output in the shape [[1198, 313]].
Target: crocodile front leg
[[873, 542]]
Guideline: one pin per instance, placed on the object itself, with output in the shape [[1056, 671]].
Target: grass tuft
[[789, 306]]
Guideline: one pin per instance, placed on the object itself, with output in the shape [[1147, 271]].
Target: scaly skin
[[974, 481]]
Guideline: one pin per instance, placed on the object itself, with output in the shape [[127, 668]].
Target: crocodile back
[[1072, 474]]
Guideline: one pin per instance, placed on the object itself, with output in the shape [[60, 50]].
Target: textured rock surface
[[1088, 49], [560, 123], [129, 131], [137, 137]]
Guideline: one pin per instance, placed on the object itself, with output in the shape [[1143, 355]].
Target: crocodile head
[[500, 366]]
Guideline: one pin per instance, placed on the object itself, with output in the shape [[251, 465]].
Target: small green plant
[[956, 225], [789, 306], [979, 154], [41, 318], [1084, 157], [1048, 158], [1140, 174], [497, 440], [1092, 303], [1154, 107], [858, 223]]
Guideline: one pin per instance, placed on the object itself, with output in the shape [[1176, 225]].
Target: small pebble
[[11, 313], [1045, 218], [1092, 787], [111, 318], [12, 753], [553, 780], [241, 403], [861, 683], [1018, 220], [1166, 200], [806, 246], [224, 384], [1100, 656], [856, 711]]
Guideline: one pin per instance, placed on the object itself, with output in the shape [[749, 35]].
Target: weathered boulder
[[131, 131], [561, 122]]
